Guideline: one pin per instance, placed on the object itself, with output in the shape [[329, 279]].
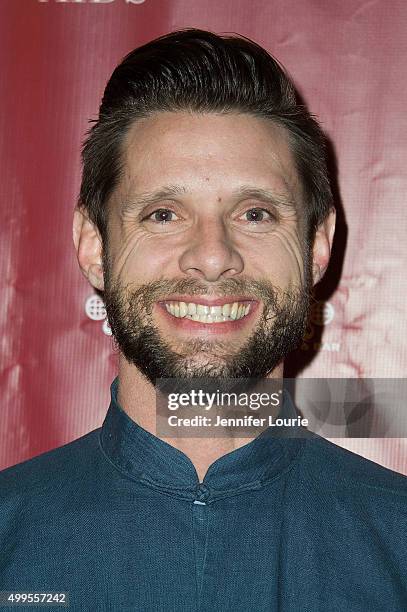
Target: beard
[[279, 330]]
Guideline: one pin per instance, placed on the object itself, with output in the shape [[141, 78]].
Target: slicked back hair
[[198, 71]]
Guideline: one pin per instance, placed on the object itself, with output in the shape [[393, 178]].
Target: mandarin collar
[[143, 457]]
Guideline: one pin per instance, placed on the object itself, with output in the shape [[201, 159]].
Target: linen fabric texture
[[119, 520]]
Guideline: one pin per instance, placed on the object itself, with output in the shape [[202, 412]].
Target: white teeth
[[233, 311], [226, 310], [216, 311], [191, 308], [208, 314], [183, 309], [201, 310]]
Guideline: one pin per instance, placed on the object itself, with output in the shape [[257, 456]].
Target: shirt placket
[[200, 520]]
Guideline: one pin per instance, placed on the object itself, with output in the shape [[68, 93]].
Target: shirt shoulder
[[340, 468], [62, 465]]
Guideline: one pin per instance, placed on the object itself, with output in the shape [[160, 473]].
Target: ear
[[88, 246], [321, 250]]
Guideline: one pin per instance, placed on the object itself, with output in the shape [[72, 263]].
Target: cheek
[[140, 258], [283, 259]]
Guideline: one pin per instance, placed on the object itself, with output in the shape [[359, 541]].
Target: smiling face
[[206, 272]]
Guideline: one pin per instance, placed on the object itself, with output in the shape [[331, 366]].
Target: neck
[[137, 397]]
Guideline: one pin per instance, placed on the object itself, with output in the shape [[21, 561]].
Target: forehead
[[210, 151]]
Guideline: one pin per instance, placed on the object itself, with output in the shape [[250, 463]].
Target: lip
[[207, 329]]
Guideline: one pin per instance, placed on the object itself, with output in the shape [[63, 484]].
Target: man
[[205, 218]]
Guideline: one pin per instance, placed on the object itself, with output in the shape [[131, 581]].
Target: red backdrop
[[348, 60]]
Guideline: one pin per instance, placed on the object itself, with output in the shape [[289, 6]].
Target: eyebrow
[[139, 201]]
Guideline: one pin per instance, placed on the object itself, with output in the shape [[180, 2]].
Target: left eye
[[255, 215], [162, 215]]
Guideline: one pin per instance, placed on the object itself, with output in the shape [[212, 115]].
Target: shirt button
[[202, 492]]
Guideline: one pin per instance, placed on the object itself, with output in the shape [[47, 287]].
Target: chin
[[201, 368]]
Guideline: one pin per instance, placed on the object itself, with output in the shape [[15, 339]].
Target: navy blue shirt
[[119, 520]]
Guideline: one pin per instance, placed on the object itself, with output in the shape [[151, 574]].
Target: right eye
[[161, 216]]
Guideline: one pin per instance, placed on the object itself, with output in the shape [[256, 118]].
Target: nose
[[210, 254]]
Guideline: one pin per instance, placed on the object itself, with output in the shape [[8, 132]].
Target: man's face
[[206, 273]]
